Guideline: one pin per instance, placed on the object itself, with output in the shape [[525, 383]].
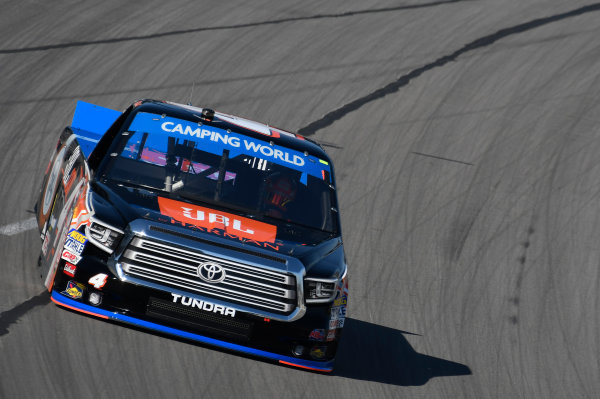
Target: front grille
[[216, 244], [174, 267], [199, 319]]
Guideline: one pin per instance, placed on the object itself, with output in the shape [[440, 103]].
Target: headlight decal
[[317, 290], [321, 290], [103, 235]]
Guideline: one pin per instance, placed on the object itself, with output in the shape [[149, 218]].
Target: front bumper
[[147, 306], [72, 304]]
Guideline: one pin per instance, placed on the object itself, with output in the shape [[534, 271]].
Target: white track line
[[18, 227]]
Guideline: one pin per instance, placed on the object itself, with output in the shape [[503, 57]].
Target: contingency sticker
[[338, 312], [70, 269], [341, 300], [330, 335], [70, 257], [317, 335], [74, 290], [333, 324], [75, 242]]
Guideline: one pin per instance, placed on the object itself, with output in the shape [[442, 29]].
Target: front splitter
[[59, 299]]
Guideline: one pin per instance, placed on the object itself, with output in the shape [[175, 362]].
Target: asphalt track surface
[[466, 140]]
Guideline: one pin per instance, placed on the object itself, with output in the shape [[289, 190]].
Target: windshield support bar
[[141, 147], [222, 173]]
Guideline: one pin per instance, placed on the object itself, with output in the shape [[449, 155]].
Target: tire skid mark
[[392, 87], [515, 300], [551, 253], [441, 158], [202, 82], [224, 27]]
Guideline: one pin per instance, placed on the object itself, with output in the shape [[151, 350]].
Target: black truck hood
[[119, 205]]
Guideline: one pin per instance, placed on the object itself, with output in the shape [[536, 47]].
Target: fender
[[64, 189]]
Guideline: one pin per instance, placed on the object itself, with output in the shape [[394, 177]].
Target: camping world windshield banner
[[215, 140]]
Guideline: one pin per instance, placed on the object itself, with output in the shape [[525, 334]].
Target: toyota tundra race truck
[[196, 224]]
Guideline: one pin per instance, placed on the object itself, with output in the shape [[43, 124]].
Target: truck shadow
[[371, 352]]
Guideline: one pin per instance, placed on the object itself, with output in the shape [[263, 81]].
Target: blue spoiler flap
[[90, 122]]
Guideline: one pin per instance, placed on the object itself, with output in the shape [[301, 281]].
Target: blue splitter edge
[[319, 366]]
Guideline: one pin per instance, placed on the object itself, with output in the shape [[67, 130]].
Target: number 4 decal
[[98, 280]]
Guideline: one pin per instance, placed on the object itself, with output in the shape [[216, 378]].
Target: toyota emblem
[[211, 272]]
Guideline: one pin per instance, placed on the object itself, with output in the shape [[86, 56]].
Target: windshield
[[253, 177]]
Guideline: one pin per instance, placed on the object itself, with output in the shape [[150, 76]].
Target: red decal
[[317, 335], [77, 309], [70, 269], [275, 247], [70, 257], [304, 367], [213, 219]]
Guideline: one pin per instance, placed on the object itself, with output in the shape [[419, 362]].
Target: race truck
[[196, 224]]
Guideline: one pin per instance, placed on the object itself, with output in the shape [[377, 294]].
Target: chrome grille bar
[[175, 267], [160, 248]]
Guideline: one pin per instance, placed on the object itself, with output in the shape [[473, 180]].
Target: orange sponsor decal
[[81, 215], [214, 219]]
